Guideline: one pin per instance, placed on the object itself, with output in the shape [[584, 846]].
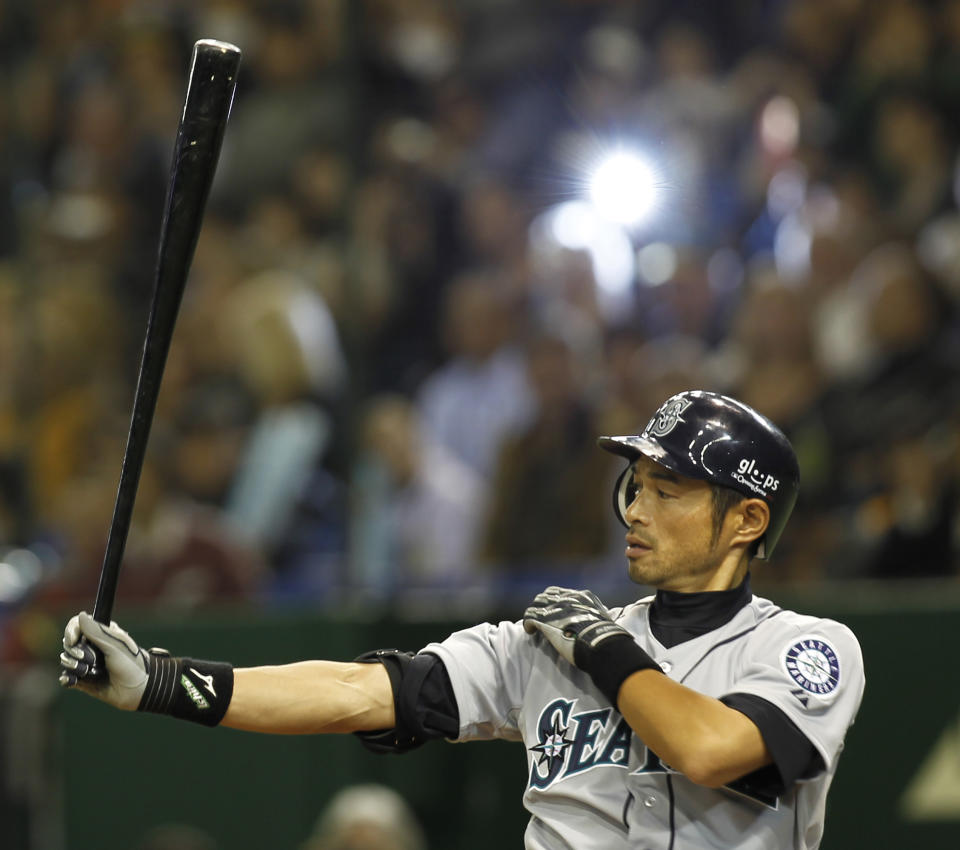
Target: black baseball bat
[[206, 108]]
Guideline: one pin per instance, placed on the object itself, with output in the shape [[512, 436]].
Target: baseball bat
[[206, 108]]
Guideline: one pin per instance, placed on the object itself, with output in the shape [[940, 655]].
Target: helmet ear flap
[[624, 492]]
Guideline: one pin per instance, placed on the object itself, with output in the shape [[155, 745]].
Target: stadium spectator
[[415, 507]]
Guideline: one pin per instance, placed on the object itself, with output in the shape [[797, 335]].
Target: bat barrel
[[212, 83]]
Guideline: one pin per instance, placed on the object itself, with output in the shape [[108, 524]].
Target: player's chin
[[642, 570]]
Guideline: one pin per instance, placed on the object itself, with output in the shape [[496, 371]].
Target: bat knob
[[214, 44]]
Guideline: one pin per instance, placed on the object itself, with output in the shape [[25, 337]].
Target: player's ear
[[751, 518]]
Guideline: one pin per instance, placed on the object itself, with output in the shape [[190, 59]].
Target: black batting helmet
[[718, 439]]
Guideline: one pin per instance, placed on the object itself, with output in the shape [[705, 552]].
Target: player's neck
[[676, 617], [731, 573]]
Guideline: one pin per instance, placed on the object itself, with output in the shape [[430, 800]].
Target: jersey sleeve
[[793, 754], [812, 672], [489, 667]]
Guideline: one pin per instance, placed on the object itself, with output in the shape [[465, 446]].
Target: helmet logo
[[751, 477], [667, 417]]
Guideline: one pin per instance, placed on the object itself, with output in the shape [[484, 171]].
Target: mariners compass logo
[[667, 417], [553, 744], [813, 664]]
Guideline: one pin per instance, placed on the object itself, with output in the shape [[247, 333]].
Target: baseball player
[[702, 716]]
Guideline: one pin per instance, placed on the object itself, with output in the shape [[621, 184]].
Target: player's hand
[[127, 665], [574, 621]]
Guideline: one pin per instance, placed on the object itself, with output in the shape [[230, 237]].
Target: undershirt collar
[[677, 617]]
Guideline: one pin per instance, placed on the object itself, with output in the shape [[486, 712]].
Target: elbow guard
[[424, 704]]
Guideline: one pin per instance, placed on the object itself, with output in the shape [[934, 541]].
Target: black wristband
[[187, 688], [610, 661]]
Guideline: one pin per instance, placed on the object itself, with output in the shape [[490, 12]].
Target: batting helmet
[[718, 439]]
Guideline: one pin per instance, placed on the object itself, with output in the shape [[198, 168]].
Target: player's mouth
[[637, 547]]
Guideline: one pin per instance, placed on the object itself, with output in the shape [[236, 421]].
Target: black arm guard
[[424, 704]]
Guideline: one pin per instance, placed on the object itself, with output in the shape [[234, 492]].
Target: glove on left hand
[[574, 621], [579, 626]]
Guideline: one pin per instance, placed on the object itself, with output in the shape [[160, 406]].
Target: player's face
[[670, 542]]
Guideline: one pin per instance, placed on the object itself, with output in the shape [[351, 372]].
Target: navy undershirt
[[678, 617]]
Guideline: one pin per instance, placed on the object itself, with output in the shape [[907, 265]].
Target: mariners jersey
[[592, 783]]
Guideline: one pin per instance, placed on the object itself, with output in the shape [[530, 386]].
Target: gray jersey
[[592, 784]]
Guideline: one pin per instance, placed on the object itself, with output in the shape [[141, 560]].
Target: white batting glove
[[127, 665], [579, 626], [568, 618]]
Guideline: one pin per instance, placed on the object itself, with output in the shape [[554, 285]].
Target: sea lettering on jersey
[[571, 743]]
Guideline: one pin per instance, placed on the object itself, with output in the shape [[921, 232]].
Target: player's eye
[[663, 494]]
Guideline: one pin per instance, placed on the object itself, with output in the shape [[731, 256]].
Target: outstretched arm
[[311, 697], [301, 698]]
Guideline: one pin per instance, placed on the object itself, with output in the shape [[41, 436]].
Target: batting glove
[[127, 665], [579, 626], [574, 621], [142, 680]]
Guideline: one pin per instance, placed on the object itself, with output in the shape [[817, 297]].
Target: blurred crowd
[[367, 816], [392, 360]]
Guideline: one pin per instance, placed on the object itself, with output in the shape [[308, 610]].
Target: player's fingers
[[555, 592], [547, 593], [589, 610], [77, 666], [543, 612], [71, 632], [590, 598], [532, 612], [85, 653], [543, 598], [537, 609], [583, 597], [564, 599], [76, 650]]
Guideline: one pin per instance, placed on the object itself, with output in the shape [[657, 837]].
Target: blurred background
[[448, 245]]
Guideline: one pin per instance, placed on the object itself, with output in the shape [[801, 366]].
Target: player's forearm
[[697, 735], [311, 697]]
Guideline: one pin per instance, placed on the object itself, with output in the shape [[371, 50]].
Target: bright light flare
[[577, 226], [623, 189]]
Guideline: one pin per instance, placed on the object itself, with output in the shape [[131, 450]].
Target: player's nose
[[638, 511]]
